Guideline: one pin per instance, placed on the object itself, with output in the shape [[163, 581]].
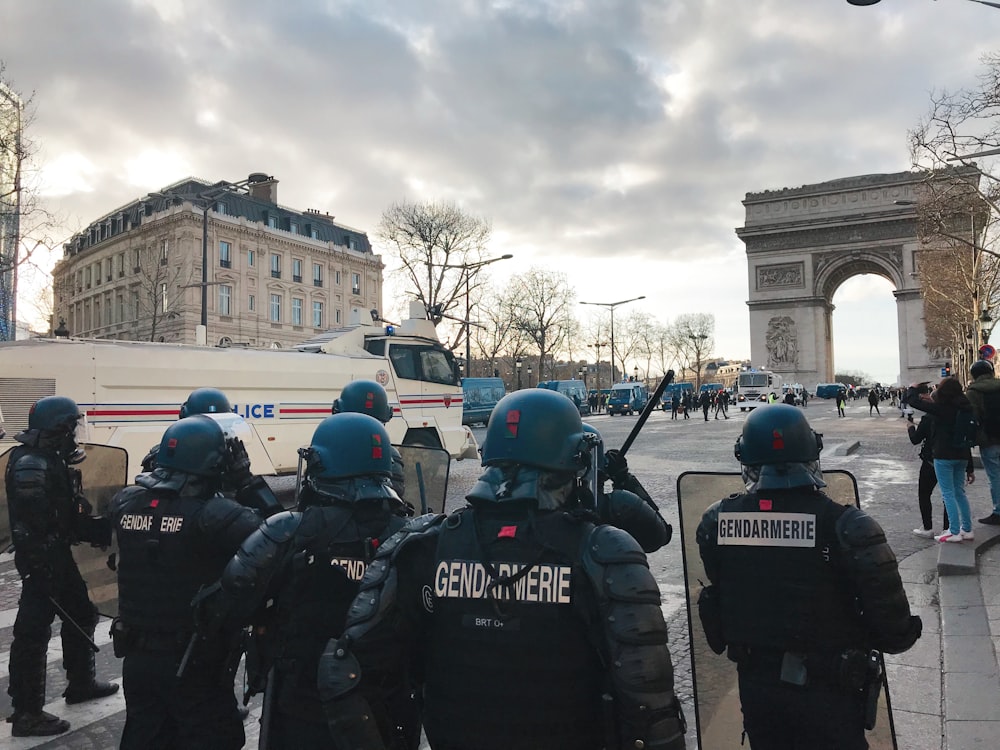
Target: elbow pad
[[629, 512]]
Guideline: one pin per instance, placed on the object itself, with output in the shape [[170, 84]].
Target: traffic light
[[947, 369]]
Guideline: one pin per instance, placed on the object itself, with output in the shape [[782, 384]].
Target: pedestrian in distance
[[873, 403], [841, 401], [509, 612], [675, 404], [984, 395], [706, 403], [295, 577], [805, 398], [175, 534], [789, 398], [688, 404], [48, 515], [922, 434], [950, 460], [803, 611], [722, 404]]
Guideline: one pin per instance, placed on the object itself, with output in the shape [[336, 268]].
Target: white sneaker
[[968, 535], [925, 533], [949, 537]]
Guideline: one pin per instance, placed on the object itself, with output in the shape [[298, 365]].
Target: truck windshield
[[753, 379], [433, 364]]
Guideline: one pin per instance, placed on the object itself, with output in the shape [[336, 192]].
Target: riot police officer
[[307, 566], [252, 490], [524, 624], [628, 506], [175, 535], [804, 589], [368, 397], [48, 514]]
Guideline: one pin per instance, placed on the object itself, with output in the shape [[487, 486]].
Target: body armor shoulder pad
[[123, 498], [282, 526], [610, 545], [414, 527], [220, 512], [856, 529], [32, 461]]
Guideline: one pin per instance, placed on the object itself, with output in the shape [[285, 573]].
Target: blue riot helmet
[[349, 458], [779, 450], [205, 401], [364, 397], [54, 414], [539, 428], [193, 445]]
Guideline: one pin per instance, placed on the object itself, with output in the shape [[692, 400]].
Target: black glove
[[237, 463], [616, 465], [82, 507], [96, 531], [212, 607]]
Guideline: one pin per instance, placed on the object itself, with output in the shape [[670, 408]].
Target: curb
[[960, 559]]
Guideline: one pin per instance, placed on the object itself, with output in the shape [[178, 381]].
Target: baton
[[420, 486], [75, 625], [182, 667], [650, 405]]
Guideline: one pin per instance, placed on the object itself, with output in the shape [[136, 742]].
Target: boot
[[41, 724], [80, 692]]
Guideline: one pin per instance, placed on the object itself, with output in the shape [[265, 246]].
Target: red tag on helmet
[[376, 446], [507, 531], [513, 419], [172, 443], [778, 440]]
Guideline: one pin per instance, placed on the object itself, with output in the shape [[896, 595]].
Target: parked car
[[574, 390], [479, 396]]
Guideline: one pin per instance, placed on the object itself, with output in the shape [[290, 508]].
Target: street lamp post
[[597, 372], [468, 268], [583, 376], [611, 306], [529, 376], [636, 373], [517, 366]]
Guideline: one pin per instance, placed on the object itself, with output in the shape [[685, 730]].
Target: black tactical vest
[[512, 665], [781, 573], [59, 520], [323, 580], [163, 558]]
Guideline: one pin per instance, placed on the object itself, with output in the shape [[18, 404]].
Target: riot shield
[[104, 472], [425, 472], [718, 716]]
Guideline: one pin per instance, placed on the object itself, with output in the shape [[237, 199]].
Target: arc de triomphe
[[803, 243]]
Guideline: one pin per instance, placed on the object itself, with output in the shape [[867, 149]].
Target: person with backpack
[[984, 395], [952, 450], [922, 434]]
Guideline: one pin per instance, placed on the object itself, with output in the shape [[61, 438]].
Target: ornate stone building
[[274, 275]]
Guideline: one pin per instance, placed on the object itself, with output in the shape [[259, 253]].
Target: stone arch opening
[[803, 243]]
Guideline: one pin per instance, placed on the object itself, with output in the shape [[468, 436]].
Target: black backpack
[[991, 414], [964, 433]]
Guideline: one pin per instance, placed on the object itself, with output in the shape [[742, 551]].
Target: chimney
[[263, 188]]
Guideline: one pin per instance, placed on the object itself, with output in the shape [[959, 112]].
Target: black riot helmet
[[539, 428], [54, 414], [982, 367], [205, 401], [779, 450], [364, 397], [194, 445]]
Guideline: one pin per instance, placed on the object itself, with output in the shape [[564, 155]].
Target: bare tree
[[957, 212], [496, 336], [436, 244], [158, 295], [26, 226], [692, 335], [542, 303], [636, 334]]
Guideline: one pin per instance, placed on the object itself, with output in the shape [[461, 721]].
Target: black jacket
[[944, 422]]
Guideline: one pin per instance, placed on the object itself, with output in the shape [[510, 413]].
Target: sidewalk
[[946, 689]]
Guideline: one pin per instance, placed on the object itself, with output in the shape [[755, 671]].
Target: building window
[[296, 270], [337, 278], [164, 251], [87, 272], [251, 303], [220, 208], [293, 227], [121, 309], [275, 266], [225, 255], [317, 314], [296, 311], [109, 274], [163, 297], [136, 266], [275, 308], [356, 283], [272, 222], [250, 258], [135, 305], [225, 299], [97, 274], [314, 233], [317, 274], [121, 265], [352, 243], [338, 316]]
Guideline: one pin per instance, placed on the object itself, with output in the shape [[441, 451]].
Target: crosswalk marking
[[102, 637]]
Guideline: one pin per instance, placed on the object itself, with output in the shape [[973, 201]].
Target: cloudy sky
[[611, 139]]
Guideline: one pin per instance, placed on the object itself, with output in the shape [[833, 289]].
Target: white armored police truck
[[131, 391]]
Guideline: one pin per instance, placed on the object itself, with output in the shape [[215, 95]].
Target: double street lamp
[[468, 268], [611, 306], [517, 366]]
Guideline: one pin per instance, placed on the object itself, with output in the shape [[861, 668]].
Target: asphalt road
[[883, 461]]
